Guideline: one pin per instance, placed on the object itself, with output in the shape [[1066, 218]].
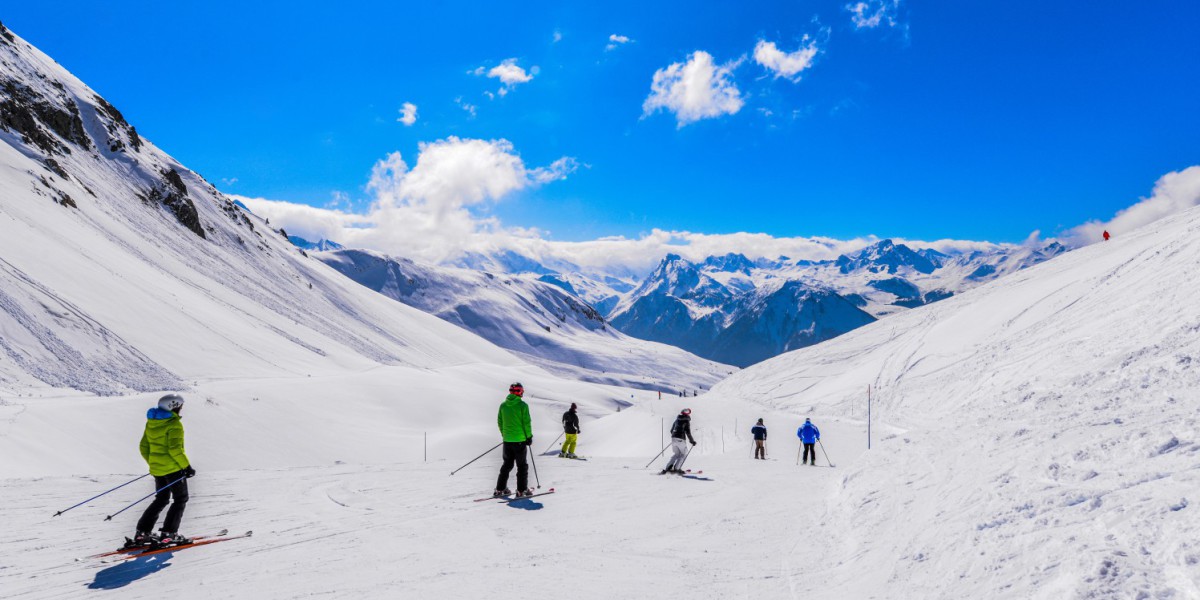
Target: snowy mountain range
[[115, 260], [542, 322], [734, 310]]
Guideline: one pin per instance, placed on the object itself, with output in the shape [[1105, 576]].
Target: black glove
[[189, 472], [693, 442], [529, 442]]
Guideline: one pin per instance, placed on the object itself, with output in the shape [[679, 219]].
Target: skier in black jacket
[[681, 434], [760, 440], [570, 420]]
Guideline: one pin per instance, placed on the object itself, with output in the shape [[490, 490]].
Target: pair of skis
[[150, 550], [512, 498]]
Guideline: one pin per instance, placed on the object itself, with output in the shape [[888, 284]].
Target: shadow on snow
[[526, 504], [129, 571]]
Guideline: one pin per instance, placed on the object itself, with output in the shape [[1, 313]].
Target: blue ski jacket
[[808, 433], [760, 432]]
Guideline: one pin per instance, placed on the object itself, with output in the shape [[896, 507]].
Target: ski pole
[[660, 453], [555, 441], [109, 517], [477, 458], [825, 453], [534, 463], [101, 494]]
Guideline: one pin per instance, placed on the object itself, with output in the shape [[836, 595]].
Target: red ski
[[135, 549], [203, 542]]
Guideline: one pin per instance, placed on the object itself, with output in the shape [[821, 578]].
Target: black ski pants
[[810, 450], [161, 499], [514, 453]]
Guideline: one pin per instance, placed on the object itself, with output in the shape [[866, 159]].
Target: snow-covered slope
[[1036, 437], [121, 270], [540, 321]]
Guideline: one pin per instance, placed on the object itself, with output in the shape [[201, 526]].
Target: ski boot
[[140, 539], [525, 492], [501, 493], [571, 455], [166, 540], [562, 455]]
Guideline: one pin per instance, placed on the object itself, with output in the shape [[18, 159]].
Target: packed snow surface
[[1037, 437]]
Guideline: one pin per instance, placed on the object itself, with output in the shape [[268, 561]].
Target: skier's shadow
[[526, 504], [129, 571]]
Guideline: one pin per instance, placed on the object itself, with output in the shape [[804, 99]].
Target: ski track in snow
[[611, 530]]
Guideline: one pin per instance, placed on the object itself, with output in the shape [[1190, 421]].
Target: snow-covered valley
[[1036, 436]]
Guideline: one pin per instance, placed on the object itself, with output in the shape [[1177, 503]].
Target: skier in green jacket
[[162, 449], [517, 431]]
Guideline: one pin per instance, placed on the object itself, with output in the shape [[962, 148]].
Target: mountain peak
[[887, 256]]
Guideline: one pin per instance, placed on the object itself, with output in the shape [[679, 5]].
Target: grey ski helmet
[[171, 402]]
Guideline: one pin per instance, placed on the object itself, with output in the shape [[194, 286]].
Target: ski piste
[[137, 549], [151, 552]]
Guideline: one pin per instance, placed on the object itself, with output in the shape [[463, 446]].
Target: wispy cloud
[[467, 106], [788, 65], [869, 14], [228, 181], [408, 114], [694, 90], [615, 41], [1173, 193], [557, 36]]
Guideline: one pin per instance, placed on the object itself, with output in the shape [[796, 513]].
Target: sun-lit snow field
[[369, 517]]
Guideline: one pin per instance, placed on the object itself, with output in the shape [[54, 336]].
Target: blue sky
[[967, 120]]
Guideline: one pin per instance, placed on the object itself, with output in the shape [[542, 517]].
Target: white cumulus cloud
[[425, 211], [1174, 192], [694, 90], [788, 65], [509, 73], [408, 114], [869, 14]]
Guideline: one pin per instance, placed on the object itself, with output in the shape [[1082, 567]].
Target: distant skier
[[570, 421], [517, 432], [760, 440], [1106, 236], [681, 434], [162, 449], [809, 434]]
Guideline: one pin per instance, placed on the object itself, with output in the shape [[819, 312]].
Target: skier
[[162, 449], [1106, 236], [517, 431], [760, 439], [570, 422], [809, 434], [681, 434]]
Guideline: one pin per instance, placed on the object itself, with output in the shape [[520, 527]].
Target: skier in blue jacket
[[809, 434]]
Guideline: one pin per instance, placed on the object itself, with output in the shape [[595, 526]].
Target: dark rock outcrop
[[172, 194], [39, 120]]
